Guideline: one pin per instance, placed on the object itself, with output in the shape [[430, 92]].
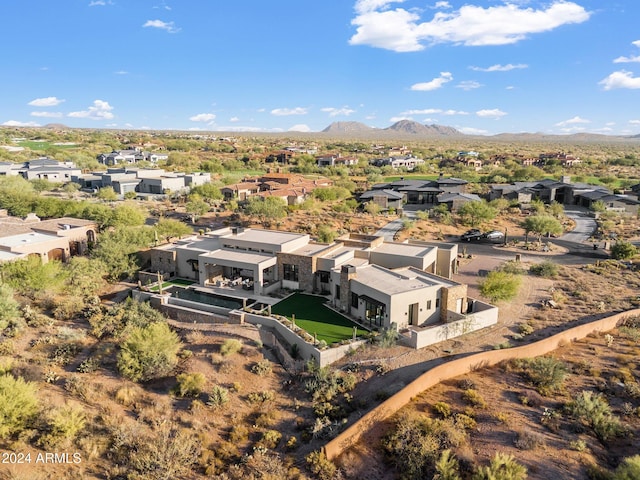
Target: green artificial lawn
[[312, 316]]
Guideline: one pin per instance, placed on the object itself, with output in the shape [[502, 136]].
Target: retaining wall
[[459, 367]]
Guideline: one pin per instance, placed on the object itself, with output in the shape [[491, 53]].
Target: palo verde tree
[[542, 225], [476, 213]]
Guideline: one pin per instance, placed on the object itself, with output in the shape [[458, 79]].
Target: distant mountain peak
[[415, 128], [346, 127]]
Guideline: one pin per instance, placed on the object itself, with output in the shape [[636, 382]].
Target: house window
[[337, 292], [290, 272], [428, 304], [354, 300], [437, 303], [324, 277], [374, 313], [194, 265]]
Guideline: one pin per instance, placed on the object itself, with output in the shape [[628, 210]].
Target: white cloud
[[401, 30], [434, 84], [620, 79], [572, 121], [572, 129], [45, 102], [494, 113], [334, 112], [100, 3], [634, 122], [472, 131], [631, 59], [442, 5], [16, 123], [100, 110], [203, 117], [434, 111], [234, 119], [500, 68], [300, 127], [282, 112], [47, 114], [398, 119], [168, 26], [469, 85], [121, 72]]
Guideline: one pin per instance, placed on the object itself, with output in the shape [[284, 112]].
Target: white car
[[494, 235]]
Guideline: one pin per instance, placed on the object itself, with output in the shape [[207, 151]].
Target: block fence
[[461, 366]]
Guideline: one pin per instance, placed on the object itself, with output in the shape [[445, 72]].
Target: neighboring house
[[383, 198], [408, 162], [240, 191], [55, 239], [613, 202], [129, 157], [375, 282], [162, 185], [331, 160], [454, 201], [295, 187], [420, 192], [549, 190], [57, 174]]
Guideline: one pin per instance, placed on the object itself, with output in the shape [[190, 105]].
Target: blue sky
[[481, 66]]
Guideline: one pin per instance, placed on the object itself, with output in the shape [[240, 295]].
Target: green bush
[[545, 269], [472, 397], [499, 285], [547, 374], [502, 467], [593, 410], [442, 408], [270, 439], [190, 384], [623, 250], [260, 398], [149, 352], [231, 346], [629, 469], [18, 405], [447, 467], [218, 397], [64, 426], [320, 466]]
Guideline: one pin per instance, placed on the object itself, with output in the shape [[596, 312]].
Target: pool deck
[[237, 292]]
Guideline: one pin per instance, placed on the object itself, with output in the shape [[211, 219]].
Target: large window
[[354, 300], [374, 313], [291, 272]]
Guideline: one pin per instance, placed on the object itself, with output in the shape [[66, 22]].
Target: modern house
[[41, 168], [417, 192], [375, 282], [129, 157], [407, 162]]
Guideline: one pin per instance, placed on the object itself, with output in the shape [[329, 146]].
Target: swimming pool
[[214, 299]]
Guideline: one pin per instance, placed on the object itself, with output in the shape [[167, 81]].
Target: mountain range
[[413, 128]]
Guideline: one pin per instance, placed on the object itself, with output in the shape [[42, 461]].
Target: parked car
[[473, 234], [494, 235]]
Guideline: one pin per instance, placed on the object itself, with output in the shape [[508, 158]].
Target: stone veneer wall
[[306, 266], [461, 366], [449, 296]]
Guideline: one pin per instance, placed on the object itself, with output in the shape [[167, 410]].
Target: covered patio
[[251, 271]]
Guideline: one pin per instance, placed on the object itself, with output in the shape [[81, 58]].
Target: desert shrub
[[413, 446], [530, 398], [260, 398], [502, 467], [218, 397], [499, 285], [18, 405], [230, 346], [472, 397], [261, 464], [88, 365], [266, 419], [238, 433], [526, 329], [447, 467], [128, 395], [578, 445], [529, 440], [262, 368], [512, 267], [547, 374], [326, 383], [149, 352], [64, 425], [629, 469], [165, 453], [545, 269], [442, 408], [388, 337], [593, 410], [623, 250], [629, 333], [320, 466], [190, 384], [270, 439]]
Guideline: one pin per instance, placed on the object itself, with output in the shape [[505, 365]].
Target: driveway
[[585, 226]]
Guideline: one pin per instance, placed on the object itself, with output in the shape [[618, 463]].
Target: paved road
[[585, 226]]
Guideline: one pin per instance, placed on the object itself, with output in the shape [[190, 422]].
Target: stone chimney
[[347, 272]]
